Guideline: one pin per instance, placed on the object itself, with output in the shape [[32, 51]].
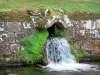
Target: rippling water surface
[[37, 71]]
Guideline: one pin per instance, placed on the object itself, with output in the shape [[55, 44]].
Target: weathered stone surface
[[4, 38], [12, 32], [27, 32], [26, 25], [14, 26], [2, 27], [19, 36], [12, 74], [88, 49], [65, 22], [7, 59], [14, 48], [11, 37], [1, 49], [5, 50]]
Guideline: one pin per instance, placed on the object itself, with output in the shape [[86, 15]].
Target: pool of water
[[37, 71]]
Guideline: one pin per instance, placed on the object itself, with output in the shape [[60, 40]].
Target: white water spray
[[60, 57]]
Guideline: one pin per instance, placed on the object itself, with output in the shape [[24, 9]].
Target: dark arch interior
[[56, 26]]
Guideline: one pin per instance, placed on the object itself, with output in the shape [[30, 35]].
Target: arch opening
[[55, 29]]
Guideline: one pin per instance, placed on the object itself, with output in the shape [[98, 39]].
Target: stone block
[[11, 37], [1, 40], [32, 25], [26, 25], [19, 36], [3, 27], [28, 32], [14, 26], [14, 48], [25, 33], [1, 49], [5, 50], [4, 38]]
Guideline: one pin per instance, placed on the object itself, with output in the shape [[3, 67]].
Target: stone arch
[[52, 30], [60, 22], [63, 20]]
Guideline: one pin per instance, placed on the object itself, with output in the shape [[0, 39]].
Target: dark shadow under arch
[[52, 30]]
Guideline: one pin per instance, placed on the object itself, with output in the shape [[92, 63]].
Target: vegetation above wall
[[70, 5], [20, 16], [14, 16], [16, 10]]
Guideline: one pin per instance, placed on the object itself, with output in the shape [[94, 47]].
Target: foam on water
[[71, 67], [60, 57]]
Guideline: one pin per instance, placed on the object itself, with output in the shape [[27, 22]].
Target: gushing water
[[58, 51], [60, 57]]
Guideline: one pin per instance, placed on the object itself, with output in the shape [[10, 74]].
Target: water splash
[[58, 51], [60, 57]]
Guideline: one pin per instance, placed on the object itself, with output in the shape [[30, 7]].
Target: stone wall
[[12, 32], [10, 35], [86, 36]]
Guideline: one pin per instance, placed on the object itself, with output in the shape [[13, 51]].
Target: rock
[[14, 26], [7, 59]]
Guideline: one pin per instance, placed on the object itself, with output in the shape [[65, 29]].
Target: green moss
[[59, 32], [44, 19], [32, 52], [52, 12]]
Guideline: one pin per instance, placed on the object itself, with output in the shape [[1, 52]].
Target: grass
[[70, 5], [16, 10], [14, 16], [33, 45]]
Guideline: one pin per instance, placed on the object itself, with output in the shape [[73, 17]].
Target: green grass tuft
[[33, 45]]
